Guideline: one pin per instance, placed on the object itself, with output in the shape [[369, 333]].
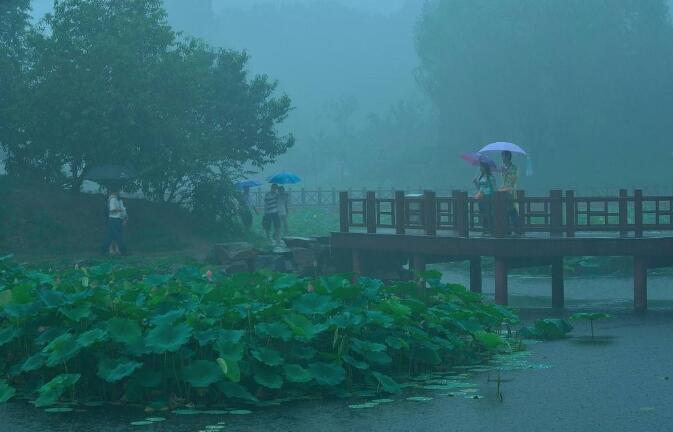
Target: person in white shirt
[[117, 219]]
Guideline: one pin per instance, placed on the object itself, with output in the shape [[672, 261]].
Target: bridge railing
[[558, 214]]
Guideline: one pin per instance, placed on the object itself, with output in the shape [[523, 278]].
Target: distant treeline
[[102, 82]]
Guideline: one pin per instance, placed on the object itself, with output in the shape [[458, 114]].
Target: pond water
[[624, 381]]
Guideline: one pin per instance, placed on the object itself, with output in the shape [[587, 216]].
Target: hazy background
[[361, 118]]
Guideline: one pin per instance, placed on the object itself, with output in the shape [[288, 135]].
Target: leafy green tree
[[577, 82]]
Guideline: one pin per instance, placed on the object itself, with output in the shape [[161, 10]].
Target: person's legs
[[283, 221], [107, 244], [266, 224], [117, 235], [276, 227]]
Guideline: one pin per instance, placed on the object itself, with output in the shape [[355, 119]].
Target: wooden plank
[[640, 284], [623, 211], [475, 275], [499, 214], [370, 213], [570, 213], [557, 288], [556, 212], [501, 270], [430, 213], [400, 217], [344, 217], [638, 212], [461, 213]]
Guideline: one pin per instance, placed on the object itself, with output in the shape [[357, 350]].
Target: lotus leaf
[[301, 326], [168, 318], [91, 337], [123, 330], [355, 363], [168, 338], [51, 392], [52, 298], [113, 370], [267, 356], [489, 340], [275, 329], [304, 352], [202, 373], [312, 303], [6, 391], [230, 369], [267, 377], [397, 343], [388, 384], [34, 362], [327, 374], [61, 349], [235, 391], [206, 336], [229, 350], [77, 313], [380, 318], [233, 336], [591, 316], [296, 374], [8, 334]]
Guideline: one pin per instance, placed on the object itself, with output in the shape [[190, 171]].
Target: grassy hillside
[[39, 220]]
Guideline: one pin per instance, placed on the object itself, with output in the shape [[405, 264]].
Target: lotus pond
[[194, 341]]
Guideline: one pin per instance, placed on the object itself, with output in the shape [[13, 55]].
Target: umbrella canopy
[[503, 146], [109, 173], [479, 158], [249, 183], [284, 178]]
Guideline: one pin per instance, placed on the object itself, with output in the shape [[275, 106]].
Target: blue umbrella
[[249, 183], [284, 178]]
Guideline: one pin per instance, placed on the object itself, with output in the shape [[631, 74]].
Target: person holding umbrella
[[271, 218], [117, 219], [510, 177]]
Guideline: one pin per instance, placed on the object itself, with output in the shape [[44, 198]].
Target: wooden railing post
[[370, 212], [400, 217], [638, 212], [344, 212], [521, 219], [570, 213], [499, 214], [623, 212], [430, 212], [556, 212], [461, 214]]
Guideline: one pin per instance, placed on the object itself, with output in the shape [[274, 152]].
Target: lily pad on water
[[382, 401], [167, 337], [214, 427], [202, 373], [215, 412], [141, 423], [363, 406], [155, 419], [186, 412], [419, 398], [59, 410], [240, 412]]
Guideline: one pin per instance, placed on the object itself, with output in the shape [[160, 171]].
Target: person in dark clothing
[[271, 218], [117, 219]]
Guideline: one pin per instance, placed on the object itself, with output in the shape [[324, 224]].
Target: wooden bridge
[[425, 228]]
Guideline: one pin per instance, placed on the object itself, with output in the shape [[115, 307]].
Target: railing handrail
[[558, 213]]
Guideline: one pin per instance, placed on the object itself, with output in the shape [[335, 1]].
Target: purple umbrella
[[478, 158], [503, 146]]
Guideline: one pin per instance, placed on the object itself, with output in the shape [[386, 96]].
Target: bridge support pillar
[[357, 262], [418, 263], [475, 275], [640, 284], [501, 281], [557, 288]]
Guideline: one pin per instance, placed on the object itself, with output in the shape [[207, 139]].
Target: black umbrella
[[109, 173]]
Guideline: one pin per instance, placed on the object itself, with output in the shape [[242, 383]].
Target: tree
[[111, 82], [581, 83]]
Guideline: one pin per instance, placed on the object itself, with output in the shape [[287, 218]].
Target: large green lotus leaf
[[380, 318], [328, 374], [267, 377], [301, 326], [52, 298], [228, 350], [61, 349], [39, 277], [22, 293], [168, 337], [296, 374], [362, 347], [275, 329], [51, 392], [355, 363], [591, 316], [488, 339], [388, 384], [202, 373], [233, 336], [156, 280], [230, 369], [397, 343], [34, 362], [267, 356], [312, 304], [6, 391], [49, 335], [347, 320], [91, 337], [378, 357], [77, 313], [124, 330], [304, 352], [168, 317], [8, 334], [235, 391], [205, 337], [113, 370], [21, 311], [287, 281], [395, 309]]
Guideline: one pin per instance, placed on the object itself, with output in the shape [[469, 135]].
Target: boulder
[[225, 253]]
